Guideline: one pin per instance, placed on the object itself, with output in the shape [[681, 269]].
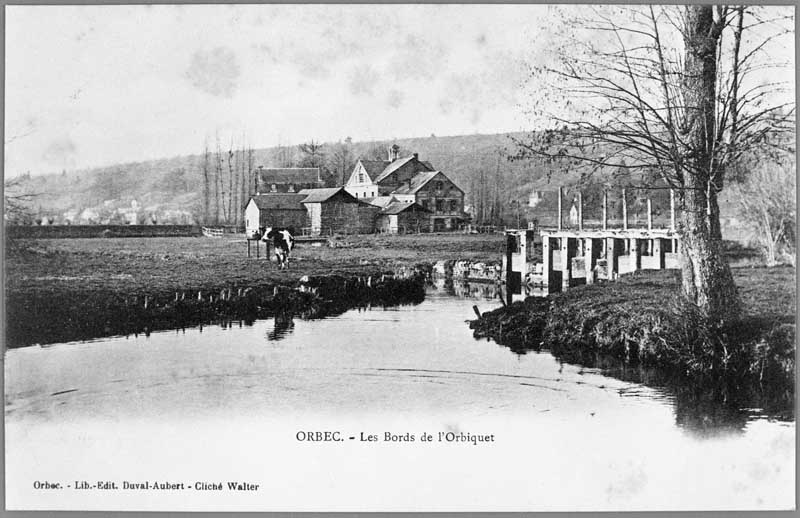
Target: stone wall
[[91, 231]]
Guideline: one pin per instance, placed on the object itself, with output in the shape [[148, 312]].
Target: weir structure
[[578, 255]]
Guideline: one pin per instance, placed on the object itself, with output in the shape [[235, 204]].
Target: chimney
[[393, 152], [416, 156]]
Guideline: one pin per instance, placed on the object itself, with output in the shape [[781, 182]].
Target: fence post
[[624, 210], [560, 195], [672, 210], [605, 209]]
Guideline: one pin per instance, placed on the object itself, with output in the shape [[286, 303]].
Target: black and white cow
[[283, 242]]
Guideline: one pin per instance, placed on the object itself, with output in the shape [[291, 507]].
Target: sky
[[97, 85]]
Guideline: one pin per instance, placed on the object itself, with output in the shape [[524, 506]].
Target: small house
[[275, 210], [400, 217], [335, 211]]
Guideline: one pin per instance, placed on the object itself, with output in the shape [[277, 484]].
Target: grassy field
[[71, 289], [63, 282], [140, 265]]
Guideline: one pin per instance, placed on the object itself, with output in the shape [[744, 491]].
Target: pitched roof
[[397, 164], [374, 167], [397, 207], [379, 201], [289, 175], [416, 183], [278, 201], [321, 195]]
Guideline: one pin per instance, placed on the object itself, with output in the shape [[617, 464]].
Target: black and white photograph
[[399, 257]]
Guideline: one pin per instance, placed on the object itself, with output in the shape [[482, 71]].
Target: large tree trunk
[[707, 279]]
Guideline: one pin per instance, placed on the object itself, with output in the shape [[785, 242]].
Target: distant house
[[275, 210], [573, 213], [287, 179], [401, 217], [335, 211], [409, 180], [89, 216], [436, 193], [372, 178], [360, 184]]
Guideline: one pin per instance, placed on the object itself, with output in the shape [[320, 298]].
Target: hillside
[[170, 190], [172, 187]]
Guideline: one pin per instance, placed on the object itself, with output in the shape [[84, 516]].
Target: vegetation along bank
[[75, 289], [643, 319]]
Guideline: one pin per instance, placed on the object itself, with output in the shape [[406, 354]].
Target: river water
[[231, 403]]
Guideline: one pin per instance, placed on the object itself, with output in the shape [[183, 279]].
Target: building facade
[[275, 210], [335, 211], [409, 180]]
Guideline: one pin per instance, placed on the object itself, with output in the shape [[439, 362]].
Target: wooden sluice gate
[[586, 256], [576, 256]]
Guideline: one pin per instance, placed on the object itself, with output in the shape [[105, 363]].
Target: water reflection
[[481, 290], [283, 325], [480, 374], [702, 407]]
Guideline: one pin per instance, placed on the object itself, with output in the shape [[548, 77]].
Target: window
[[425, 204], [453, 205], [439, 205], [439, 185], [273, 188], [291, 187]]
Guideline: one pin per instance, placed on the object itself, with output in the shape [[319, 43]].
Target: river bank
[[641, 319], [77, 289]]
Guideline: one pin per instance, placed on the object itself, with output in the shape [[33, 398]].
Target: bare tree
[[341, 160], [231, 191], [768, 204], [312, 154], [206, 184], [219, 195], [676, 90], [242, 180], [17, 199]]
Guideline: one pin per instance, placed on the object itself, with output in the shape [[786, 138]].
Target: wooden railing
[[212, 232]]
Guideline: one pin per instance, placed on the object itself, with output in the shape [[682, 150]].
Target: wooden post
[[513, 280], [258, 248], [580, 211], [649, 215], [248, 248], [658, 253], [560, 196], [611, 257], [624, 211], [605, 209], [672, 210], [588, 260], [547, 260], [566, 263]]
